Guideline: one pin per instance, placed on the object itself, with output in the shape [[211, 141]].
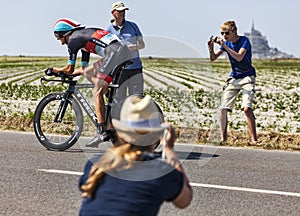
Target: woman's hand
[[171, 137]]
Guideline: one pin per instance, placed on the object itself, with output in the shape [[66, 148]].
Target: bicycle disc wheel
[[62, 135]]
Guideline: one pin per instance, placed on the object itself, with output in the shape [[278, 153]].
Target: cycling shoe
[[99, 138], [105, 136]]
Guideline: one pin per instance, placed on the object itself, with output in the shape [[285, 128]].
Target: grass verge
[[269, 140]]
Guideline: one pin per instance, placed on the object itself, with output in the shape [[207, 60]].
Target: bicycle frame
[[83, 102], [86, 106], [74, 89]]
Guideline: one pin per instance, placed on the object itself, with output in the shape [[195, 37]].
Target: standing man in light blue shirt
[[131, 81]]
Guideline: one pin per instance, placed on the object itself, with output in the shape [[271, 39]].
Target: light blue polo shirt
[[129, 33]]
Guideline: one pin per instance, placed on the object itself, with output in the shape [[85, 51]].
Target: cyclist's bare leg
[[101, 88], [90, 73]]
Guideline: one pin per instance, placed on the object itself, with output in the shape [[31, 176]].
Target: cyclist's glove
[[49, 72]]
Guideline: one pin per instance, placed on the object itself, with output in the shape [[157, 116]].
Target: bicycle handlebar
[[64, 78], [68, 78]]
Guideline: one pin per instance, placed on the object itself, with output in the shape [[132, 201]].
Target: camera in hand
[[213, 39]]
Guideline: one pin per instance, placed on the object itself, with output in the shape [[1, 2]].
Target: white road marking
[[252, 190], [222, 187], [61, 171]]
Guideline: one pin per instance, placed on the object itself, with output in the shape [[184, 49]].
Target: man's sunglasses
[[226, 33]]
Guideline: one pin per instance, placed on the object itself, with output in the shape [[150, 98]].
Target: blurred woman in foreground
[[127, 179]]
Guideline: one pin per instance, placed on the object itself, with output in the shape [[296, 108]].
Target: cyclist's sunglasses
[[226, 33], [59, 34]]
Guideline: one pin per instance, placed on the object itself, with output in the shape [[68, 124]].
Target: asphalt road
[[226, 181]]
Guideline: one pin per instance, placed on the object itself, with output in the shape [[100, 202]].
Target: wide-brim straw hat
[[141, 121]]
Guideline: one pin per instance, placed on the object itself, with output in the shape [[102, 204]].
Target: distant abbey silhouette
[[260, 47]]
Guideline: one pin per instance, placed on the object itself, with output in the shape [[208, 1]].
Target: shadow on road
[[181, 154], [194, 155]]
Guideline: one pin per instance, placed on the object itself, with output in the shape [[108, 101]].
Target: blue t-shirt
[[137, 191], [129, 33], [243, 68]]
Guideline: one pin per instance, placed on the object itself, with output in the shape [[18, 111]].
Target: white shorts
[[232, 89]]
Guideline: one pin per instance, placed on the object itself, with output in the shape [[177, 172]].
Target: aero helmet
[[65, 26]]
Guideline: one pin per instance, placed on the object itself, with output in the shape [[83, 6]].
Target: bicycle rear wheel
[[62, 135]]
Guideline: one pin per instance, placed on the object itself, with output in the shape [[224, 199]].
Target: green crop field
[[188, 91]]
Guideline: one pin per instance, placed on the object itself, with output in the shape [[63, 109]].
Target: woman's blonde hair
[[229, 25], [116, 158]]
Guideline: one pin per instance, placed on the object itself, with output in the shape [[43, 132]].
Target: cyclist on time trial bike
[[91, 40]]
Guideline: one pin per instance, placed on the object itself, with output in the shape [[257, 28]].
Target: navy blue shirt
[[243, 68], [137, 191]]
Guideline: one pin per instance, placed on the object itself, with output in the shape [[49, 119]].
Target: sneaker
[[99, 138]]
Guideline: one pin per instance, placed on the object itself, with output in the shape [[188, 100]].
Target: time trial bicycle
[[58, 118]]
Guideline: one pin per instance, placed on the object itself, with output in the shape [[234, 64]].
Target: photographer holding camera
[[128, 179], [242, 76]]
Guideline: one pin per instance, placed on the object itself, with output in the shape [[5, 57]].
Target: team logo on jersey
[[100, 33]]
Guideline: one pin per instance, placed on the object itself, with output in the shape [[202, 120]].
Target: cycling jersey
[[102, 43], [89, 40]]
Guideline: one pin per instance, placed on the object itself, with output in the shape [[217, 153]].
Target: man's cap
[[119, 6]]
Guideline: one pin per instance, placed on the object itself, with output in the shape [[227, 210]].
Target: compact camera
[[213, 39]]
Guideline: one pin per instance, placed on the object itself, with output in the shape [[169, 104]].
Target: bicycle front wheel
[[59, 135]]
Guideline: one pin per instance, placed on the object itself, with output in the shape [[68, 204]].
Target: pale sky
[[27, 26]]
